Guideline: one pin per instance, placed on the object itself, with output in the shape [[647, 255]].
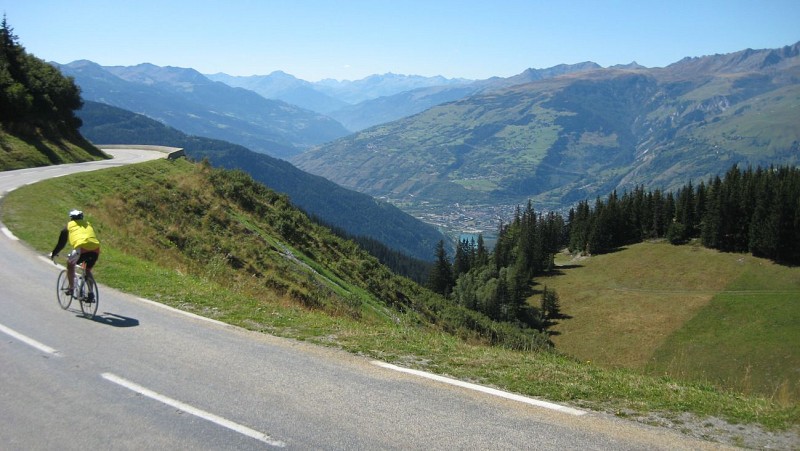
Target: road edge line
[[483, 389]]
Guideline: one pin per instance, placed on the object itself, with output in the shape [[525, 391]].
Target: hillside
[[190, 102], [577, 136], [38, 126], [26, 149], [216, 227], [690, 312], [356, 213]]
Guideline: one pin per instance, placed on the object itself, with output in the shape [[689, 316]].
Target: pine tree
[[441, 279], [33, 92], [481, 254], [463, 260], [766, 223], [550, 305], [712, 229]]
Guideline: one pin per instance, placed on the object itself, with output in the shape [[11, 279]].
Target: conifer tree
[[441, 276], [481, 253], [550, 304], [33, 92], [463, 259]]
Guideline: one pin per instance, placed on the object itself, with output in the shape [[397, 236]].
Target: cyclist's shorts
[[78, 256]]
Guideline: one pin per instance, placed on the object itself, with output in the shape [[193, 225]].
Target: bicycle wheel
[[89, 306], [62, 285]]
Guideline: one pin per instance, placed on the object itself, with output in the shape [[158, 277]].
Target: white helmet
[[76, 214]]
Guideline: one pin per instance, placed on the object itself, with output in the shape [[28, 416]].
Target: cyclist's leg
[[88, 259], [72, 260]]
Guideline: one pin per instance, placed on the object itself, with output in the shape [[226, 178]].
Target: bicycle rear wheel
[[62, 285], [89, 287]]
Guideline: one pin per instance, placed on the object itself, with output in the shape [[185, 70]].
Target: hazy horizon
[[315, 39]]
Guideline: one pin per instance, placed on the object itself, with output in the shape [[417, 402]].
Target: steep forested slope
[[38, 125], [356, 213]]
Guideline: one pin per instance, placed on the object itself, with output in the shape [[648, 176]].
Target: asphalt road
[[141, 376]]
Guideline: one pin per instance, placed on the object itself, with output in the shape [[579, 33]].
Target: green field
[[688, 312]]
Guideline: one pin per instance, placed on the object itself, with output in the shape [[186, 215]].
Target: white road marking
[[183, 312], [28, 341], [481, 388], [244, 430], [8, 233]]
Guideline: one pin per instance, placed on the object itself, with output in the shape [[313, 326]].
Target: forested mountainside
[[358, 214], [578, 136], [38, 125]]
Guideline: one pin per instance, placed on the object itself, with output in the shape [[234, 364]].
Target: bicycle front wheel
[[62, 286], [90, 297]]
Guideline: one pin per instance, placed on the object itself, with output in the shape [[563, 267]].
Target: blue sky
[[351, 39]]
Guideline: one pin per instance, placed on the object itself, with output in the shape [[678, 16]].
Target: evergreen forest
[[747, 210], [34, 95]]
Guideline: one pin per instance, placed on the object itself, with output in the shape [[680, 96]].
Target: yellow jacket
[[81, 235]]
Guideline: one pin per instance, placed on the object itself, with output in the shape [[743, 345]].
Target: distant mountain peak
[[630, 66], [530, 75], [148, 73]]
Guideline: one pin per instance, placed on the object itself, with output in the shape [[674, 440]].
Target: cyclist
[[86, 247]]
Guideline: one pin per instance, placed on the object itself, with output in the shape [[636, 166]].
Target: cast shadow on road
[[112, 319]]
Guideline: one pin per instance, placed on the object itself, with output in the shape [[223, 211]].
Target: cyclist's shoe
[[90, 297], [68, 292]]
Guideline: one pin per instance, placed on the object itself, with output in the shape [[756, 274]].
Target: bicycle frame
[[84, 289]]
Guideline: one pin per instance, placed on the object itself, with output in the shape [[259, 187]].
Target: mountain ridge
[[187, 100], [578, 135]]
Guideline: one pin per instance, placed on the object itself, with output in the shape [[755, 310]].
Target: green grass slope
[[688, 312], [27, 150], [213, 243]]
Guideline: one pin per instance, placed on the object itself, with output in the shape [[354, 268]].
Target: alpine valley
[[464, 154], [575, 135]]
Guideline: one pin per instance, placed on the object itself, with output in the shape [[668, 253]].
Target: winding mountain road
[[143, 376]]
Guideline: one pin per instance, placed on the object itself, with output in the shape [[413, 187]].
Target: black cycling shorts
[[88, 257]]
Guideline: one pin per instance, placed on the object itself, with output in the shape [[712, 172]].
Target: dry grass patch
[[624, 305]]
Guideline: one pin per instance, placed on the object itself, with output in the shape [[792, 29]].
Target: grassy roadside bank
[[18, 151], [35, 213]]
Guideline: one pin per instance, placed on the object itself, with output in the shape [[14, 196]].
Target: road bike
[[85, 291]]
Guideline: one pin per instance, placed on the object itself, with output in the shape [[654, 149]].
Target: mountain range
[[464, 153], [579, 135], [378, 99], [187, 100]]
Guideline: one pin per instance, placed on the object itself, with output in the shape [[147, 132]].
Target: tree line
[[747, 210], [34, 94]]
